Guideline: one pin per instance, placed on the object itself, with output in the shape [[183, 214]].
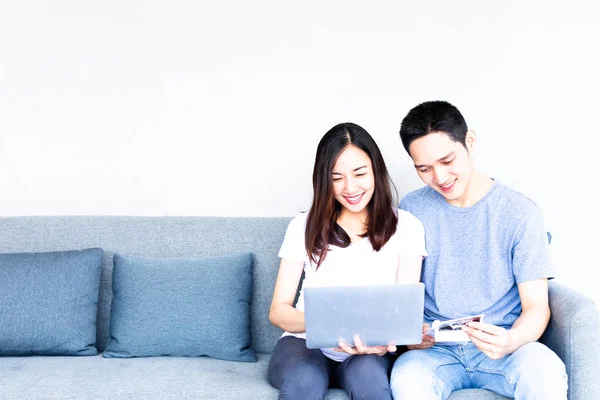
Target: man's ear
[[471, 141]]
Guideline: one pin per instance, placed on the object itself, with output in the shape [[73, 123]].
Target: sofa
[[571, 333]]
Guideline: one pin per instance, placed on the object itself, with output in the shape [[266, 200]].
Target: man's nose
[[440, 175]]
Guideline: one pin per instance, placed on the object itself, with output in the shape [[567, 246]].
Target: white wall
[[216, 108]]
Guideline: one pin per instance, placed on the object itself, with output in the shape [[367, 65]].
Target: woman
[[352, 235]]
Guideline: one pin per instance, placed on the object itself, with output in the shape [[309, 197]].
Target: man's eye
[[423, 170], [448, 162]]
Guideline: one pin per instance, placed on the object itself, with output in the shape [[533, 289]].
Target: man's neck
[[479, 186]]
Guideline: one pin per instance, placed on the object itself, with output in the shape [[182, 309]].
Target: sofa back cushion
[[182, 307], [161, 237], [48, 302]]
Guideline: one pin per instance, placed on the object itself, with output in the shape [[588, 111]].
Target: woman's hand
[[426, 342], [360, 348]]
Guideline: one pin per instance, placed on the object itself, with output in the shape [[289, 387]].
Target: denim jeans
[[306, 374], [532, 372]]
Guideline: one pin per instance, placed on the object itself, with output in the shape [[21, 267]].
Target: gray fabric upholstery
[[95, 377], [475, 394], [48, 302], [160, 237], [574, 319], [82, 378], [182, 306], [572, 333]]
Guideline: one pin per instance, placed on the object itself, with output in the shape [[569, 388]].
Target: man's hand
[[495, 341], [426, 343], [360, 348]]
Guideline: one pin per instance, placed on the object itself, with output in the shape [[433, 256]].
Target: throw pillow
[[182, 307], [48, 302]]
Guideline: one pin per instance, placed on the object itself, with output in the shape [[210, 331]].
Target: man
[[487, 255]]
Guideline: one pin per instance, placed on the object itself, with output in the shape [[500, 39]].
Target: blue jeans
[[532, 372], [306, 374]]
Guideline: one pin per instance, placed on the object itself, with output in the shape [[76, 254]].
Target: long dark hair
[[322, 229]]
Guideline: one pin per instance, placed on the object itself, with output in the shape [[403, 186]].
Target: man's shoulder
[[516, 202], [417, 198]]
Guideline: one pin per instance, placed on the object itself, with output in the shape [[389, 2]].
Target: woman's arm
[[282, 313], [409, 268]]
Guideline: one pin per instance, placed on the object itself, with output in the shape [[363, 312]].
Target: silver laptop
[[379, 314]]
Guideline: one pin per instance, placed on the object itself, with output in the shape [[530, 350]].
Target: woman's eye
[[363, 174], [337, 179]]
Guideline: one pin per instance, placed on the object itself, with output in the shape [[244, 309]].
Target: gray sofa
[[571, 334]]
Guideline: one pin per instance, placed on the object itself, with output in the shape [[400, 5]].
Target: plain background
[[215, 108]]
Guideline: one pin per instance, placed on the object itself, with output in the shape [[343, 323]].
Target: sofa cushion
[[181, 378], [93, 378], [182, 307], [48, 302]]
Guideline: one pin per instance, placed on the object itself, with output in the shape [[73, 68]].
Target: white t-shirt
[[357, 264]]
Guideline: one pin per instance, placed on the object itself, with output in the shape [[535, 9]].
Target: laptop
[[378, 314]]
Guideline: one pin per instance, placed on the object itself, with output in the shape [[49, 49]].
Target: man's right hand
[[426, 342]]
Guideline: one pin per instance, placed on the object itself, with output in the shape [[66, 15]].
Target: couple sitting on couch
[[483, 239]]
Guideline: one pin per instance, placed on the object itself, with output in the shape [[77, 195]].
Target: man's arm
[[496, 342], [535, 316]]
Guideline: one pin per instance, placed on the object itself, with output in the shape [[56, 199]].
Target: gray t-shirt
[[478, 254]]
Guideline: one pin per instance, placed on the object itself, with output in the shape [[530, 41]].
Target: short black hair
[[433, 116]]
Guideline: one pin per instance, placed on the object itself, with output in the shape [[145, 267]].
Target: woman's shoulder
[[406, 220], [298, 222], [301, 217]]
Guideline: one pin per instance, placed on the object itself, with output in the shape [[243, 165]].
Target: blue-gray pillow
[[48, 302], [182, 307]]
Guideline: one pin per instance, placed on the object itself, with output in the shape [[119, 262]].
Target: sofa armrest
[[573, 334]]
